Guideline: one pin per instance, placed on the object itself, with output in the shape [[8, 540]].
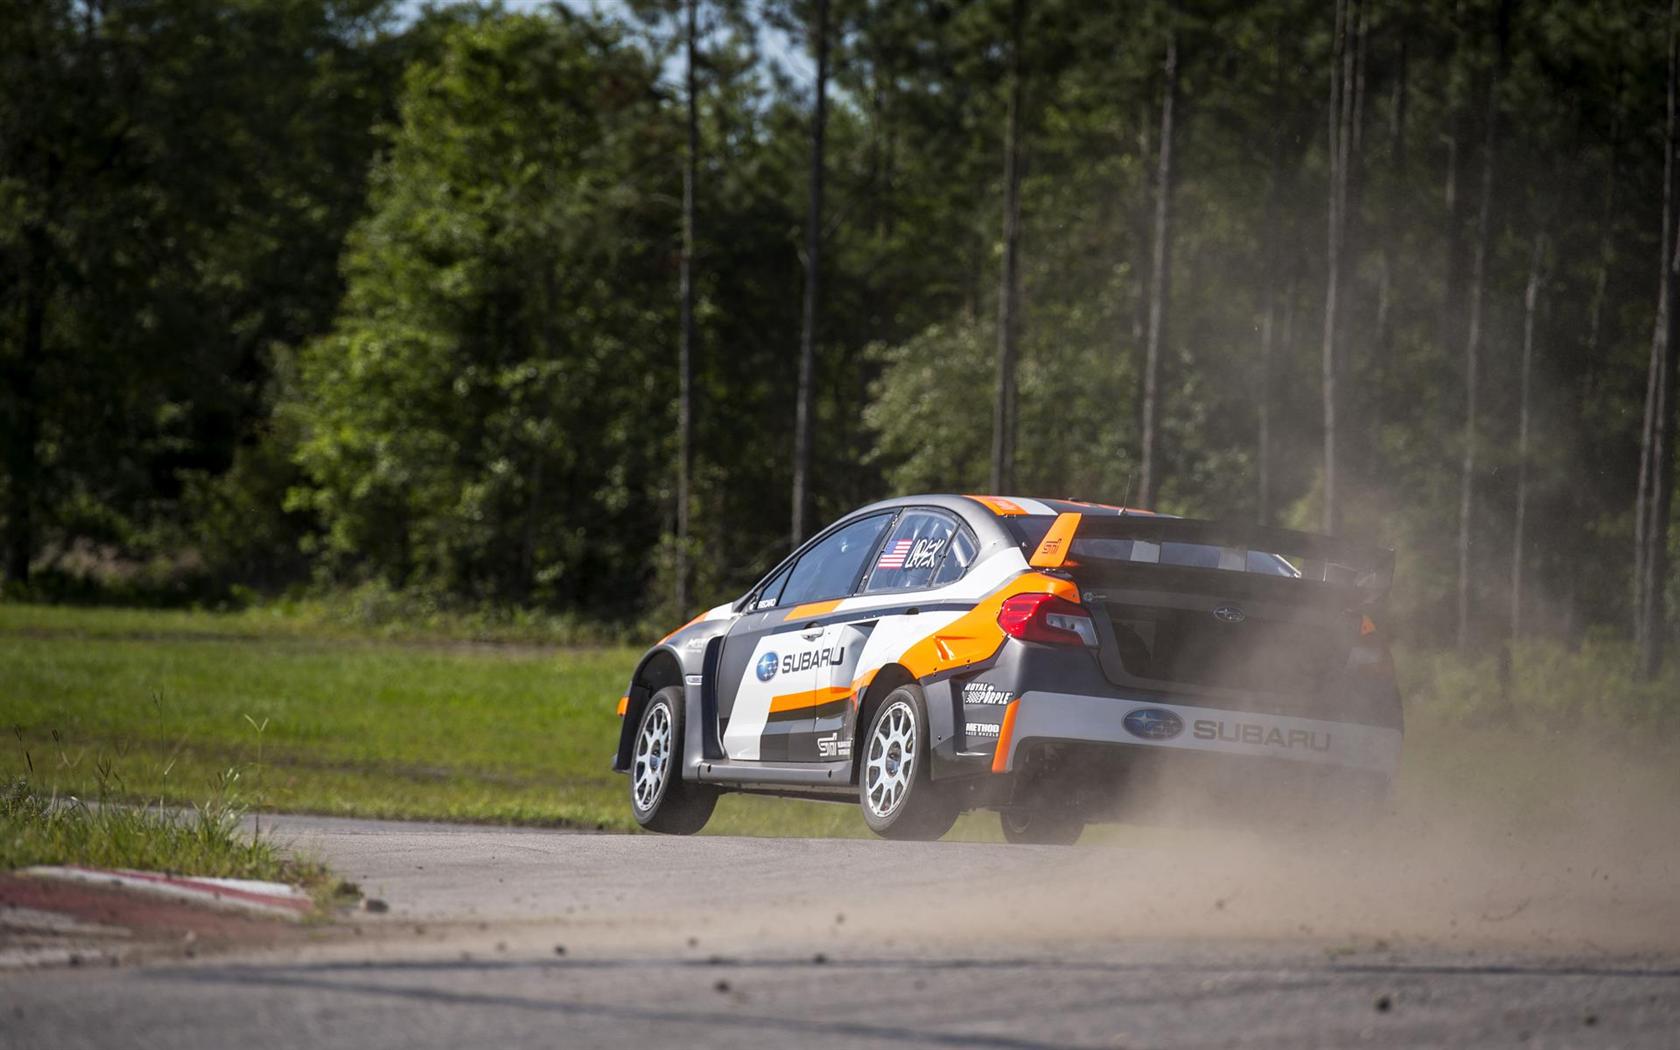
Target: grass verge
[[37, 828], [328, 720], [317, 717]]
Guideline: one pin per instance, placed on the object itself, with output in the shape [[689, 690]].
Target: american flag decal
[[893, 557]]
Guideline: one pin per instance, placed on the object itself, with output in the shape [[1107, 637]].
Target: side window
[[915, 553], [958, 557], [771, 593], [832, 567]]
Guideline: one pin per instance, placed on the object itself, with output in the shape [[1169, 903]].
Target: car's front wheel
[[899, 798], [660, 799]]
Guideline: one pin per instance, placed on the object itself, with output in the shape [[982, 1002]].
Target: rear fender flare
[[935, 701]]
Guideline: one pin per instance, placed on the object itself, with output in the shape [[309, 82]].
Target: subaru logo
[[767, 666], [1152, 723], [1229, 614]]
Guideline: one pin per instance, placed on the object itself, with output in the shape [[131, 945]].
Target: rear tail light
[[1048, 619], [1369, 655]]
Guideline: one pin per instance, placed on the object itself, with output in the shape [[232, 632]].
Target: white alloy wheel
[[652, 763], [890, 763]]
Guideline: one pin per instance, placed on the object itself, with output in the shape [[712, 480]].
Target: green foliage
[[1542, 686], [179, 175], [448, 387], [492, 354], [938, 383]]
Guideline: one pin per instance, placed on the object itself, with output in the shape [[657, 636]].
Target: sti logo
[[767, 665]]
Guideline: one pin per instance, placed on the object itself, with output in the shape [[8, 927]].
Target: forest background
[[586, 312]]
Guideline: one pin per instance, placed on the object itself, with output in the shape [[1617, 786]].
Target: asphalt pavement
[[526, 938]]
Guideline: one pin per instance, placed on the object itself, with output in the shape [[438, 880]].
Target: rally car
[[932, 654]]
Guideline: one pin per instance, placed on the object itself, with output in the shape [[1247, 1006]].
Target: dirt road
[[519, 938]]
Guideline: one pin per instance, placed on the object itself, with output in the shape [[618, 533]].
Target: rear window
[[1187, 555], [1029, 530], [1029, 533], [925, 548]]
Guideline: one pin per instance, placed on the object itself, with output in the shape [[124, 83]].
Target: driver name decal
[[925, 554]]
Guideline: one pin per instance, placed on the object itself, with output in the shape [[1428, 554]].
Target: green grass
[[315, 714], [36, 828], [324, 719], [365, 614]]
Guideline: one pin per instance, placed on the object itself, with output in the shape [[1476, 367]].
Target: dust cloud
[[1537, 843]]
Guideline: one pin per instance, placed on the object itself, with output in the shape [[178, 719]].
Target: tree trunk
[[1658, 470], [1662, 501], [1160, 282], [1644, 538], [1143, 217], [1473, 340], [1263, 439], [1342, 91], [1452, 290], [685, 337], [1383, 349], [1586, 380], [813, 284], [1531, 300], [1397, 111], [1269, 254], [1009, 283], [23, 444], [1606, 251]]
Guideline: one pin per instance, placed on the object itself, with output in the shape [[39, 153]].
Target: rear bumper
[[1040, 717]]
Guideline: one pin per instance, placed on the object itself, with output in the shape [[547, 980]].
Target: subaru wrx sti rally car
[[932, 654]]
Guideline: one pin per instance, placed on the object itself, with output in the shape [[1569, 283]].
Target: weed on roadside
[[41, 825]]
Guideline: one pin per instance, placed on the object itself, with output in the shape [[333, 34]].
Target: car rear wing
[[1075, 539]]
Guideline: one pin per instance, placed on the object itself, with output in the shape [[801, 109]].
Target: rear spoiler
[[1323, 559]]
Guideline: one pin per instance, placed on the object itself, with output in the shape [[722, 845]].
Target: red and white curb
[[268, 898]]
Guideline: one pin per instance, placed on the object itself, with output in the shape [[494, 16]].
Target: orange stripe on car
[[1006, 733], [810, 609], [681, 629], [623, 705], [1053, 550], [975, 635], [998, 505], [810, 698]]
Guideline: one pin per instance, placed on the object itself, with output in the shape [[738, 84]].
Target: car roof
[[985, 515], [988, 515], [1013, 506], [1002, 506]]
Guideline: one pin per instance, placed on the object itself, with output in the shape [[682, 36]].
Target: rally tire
[[660, 799], [1041, 826], [898, 798]]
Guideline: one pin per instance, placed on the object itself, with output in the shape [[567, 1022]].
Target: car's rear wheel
[[1041, 826], [899, 798], [660, 799]]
